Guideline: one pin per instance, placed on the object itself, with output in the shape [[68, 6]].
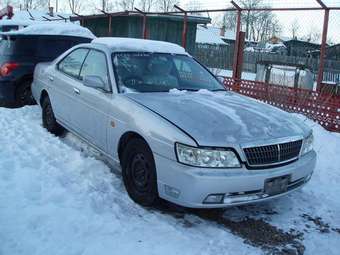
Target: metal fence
[[221, 57], [321, 107]]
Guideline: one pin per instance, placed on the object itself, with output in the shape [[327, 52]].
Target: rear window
[[18, 46], [52, 48], [45, 48]]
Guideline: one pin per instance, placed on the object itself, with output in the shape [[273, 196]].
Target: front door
[[91, 114]]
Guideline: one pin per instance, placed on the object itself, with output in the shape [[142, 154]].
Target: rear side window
[[50, 49], [18, 46], [72, 63], [95, 64]]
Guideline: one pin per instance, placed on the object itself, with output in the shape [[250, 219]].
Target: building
[[206, 35], [300, 48], [333, 52], [24, 18], [163, 27]]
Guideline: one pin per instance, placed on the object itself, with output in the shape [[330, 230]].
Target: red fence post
[[323, 48], [185, 30], [144, 27], [237, 39], [239, 59], [144, 23], [185, 26]]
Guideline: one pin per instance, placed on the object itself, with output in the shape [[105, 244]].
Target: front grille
[[273, 154]]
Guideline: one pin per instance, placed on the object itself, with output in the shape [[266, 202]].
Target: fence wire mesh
[[281, 54]]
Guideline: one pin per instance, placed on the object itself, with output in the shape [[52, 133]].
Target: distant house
[[162, 27], [332, 53], [300, 48], [206, 35]]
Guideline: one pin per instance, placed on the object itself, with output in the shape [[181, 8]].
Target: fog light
[[172, 191], [214, 199]]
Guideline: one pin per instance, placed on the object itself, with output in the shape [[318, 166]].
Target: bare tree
[[194, 5], [75, 5], [34, 4], [167, 5], [126, 4], [314, 35], [294, 28], [258, 25], [147, 5], [228, 21]]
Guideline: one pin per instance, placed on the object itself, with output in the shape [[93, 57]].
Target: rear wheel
[[48, 118], [24, 94], [139, 173]]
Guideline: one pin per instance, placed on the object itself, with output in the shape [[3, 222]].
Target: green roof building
[[162, 27]]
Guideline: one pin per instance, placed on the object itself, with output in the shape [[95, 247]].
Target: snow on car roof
[[11, 22], [140, 45], [52, 28]]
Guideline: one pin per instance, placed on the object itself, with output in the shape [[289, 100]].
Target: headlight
[[308, 144], [214, 158]]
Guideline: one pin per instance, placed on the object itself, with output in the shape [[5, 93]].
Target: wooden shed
[[299, 48], [163, 27]]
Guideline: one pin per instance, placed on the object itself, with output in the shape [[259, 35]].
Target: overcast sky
[[308, 20]]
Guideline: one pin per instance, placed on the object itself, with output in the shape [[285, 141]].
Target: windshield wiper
[[187, 89], [216, 90]]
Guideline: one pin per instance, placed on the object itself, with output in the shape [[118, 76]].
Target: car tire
[[139, 173], [48, 118], [24, 94]]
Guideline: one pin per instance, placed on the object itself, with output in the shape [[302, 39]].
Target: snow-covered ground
[[57, 198], [229, 73]]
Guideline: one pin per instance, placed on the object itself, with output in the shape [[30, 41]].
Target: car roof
[[117, 44]]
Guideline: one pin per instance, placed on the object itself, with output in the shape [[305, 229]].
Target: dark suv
[[19, 55]]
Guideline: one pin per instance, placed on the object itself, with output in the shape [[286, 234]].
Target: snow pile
[[177, 91], [229, 73], [139, 45], [205, 35], [65, 29], [54, 199]]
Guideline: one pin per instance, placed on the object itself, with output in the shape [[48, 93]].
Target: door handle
[[51, 78], [77, 91]]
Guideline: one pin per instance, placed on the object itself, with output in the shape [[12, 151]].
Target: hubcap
[[140, 172]]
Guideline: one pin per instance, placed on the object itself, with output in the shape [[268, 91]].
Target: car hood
[[222, 118]]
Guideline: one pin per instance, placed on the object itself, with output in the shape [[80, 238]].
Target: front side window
[[95, 64], [155, 72], [71, 64]]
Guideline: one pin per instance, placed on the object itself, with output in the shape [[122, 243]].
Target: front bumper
[[188, 186]]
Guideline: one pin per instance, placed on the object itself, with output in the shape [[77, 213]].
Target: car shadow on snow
[[255, 231]]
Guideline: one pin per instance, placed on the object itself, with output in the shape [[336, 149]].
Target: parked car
[[172, 126], [19, 54]]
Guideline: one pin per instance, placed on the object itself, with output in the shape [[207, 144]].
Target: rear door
[[91, 112], [65, 84]]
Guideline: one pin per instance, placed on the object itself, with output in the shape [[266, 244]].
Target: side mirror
[[94, 81]]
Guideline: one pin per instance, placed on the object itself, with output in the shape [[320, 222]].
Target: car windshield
[[155, 72]]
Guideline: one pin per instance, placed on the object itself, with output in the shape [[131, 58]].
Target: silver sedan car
[[175, 131]]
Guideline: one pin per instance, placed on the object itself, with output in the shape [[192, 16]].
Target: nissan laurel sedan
[[175, 131]]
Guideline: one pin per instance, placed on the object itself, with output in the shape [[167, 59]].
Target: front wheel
[[48, 118], [139, 173]]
